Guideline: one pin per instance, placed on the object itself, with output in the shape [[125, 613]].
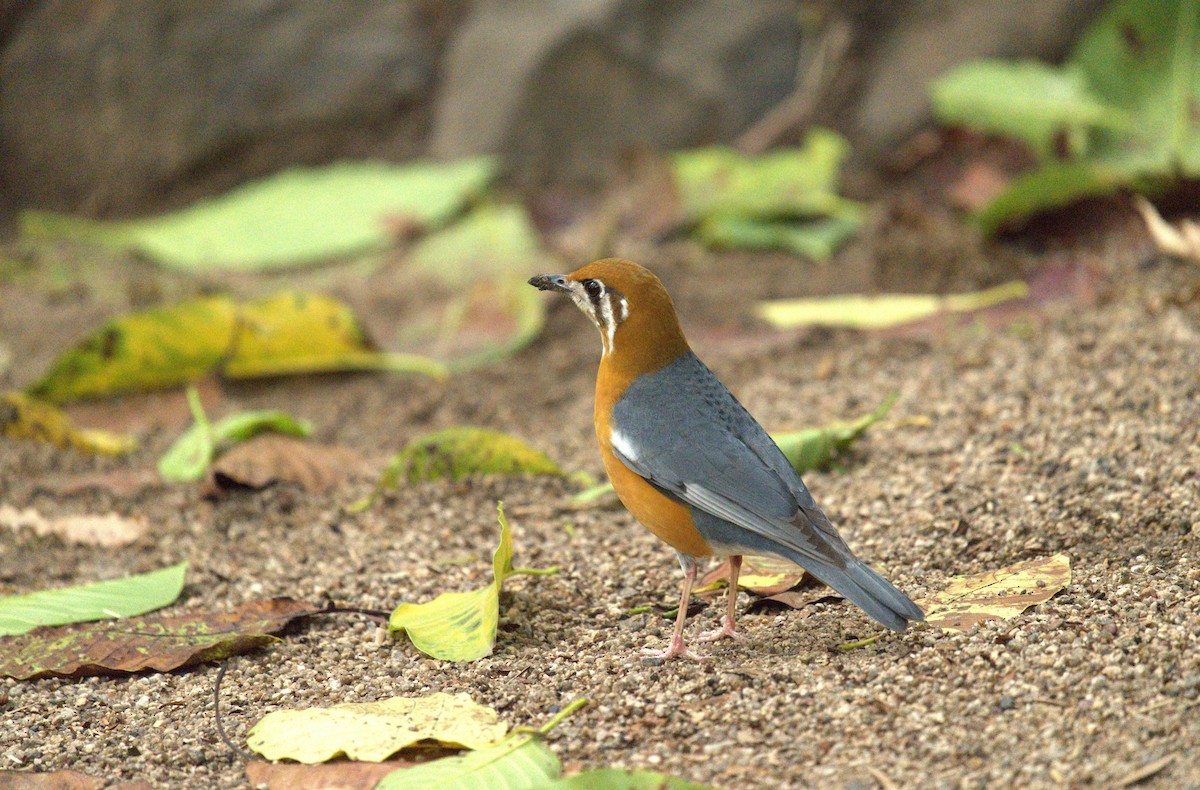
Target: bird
[[692, 465]]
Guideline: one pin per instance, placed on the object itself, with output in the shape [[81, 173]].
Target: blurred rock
[[115, 105], [118, 106]]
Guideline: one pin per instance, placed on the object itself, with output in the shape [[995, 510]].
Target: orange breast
[[666, 518]]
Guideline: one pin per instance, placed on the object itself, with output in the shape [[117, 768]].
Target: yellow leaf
[[374, 731], [459, 626], [23, 417], [152, 349], [287, 333], [294, 332], [461, 451], [878, 312], [997, 595]]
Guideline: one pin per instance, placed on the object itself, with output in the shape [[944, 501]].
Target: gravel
[[1076, 432]]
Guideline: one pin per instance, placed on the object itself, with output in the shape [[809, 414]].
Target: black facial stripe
[[595, 296]]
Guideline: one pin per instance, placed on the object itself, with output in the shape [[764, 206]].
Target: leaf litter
[[126, 597], [461, 626], [375, 731], [997, 595], [109, 530], [159, 643]]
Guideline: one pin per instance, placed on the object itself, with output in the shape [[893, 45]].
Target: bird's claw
[[677, 650], [728, 630]]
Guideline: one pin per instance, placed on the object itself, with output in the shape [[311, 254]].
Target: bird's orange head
[[629, 305]]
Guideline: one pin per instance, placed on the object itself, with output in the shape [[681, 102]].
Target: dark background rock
[[125, 106]]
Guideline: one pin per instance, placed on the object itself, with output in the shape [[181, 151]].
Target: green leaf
[[818, 238], [618, 779], [126, 597], [295, 217], [879, 312], [480, 265], [190, 455], [519, 762], [782, 183], [374, 731], [1132, 85], [463, 451], [461, 626], [816, 448], [1027, 100]]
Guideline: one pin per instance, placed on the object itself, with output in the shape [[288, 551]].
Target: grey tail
[[867, 590]]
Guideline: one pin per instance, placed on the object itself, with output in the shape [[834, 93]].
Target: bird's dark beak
[[550, 282]]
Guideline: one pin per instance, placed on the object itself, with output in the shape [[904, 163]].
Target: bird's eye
[[593, 288]]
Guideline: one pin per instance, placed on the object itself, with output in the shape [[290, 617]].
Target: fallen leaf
[[817, 448], [816, 238], [62, 780], [997, 595], [296, 332], [1182, 242], [798, 599], [461, 626], [132, 595], [193, 451], [118, 482], [374, 731], [295, 217], [759, 575], [287, 333], [266, 460], [519, 762], [619, 779], [24, 417], [337, 775], [463, 451], [878, 312], [156, 642], [110, 530]]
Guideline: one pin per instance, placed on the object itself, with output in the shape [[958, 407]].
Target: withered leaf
[[1001, 594], [341, 774], [140, 643], [110, 529], [273, 458], [760, 575], [62, 780]]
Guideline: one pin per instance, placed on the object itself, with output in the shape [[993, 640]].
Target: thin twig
[[245, 755], [796, 108]]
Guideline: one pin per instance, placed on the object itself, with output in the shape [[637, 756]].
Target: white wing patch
[[624, 445]]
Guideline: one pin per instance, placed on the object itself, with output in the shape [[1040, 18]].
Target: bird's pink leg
[[678, 648], [729, 625]]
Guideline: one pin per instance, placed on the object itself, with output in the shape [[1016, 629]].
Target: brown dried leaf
[[109, 530], [798, 599], [1182, 242], [997, 595], [760, 575], [62, 780], [341, 774], [273, 458], [140, 643]]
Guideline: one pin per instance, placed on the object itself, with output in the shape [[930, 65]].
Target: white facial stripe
[[607, 310]]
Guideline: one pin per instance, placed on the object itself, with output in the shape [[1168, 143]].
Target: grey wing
[[685, 433], [682, 431]]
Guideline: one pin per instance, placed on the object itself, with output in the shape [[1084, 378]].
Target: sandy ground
[[1075, 432]]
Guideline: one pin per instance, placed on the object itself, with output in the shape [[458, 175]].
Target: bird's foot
[[677, 650], [728, 630]]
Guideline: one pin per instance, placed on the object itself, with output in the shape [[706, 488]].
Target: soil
[[1074, 428]]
